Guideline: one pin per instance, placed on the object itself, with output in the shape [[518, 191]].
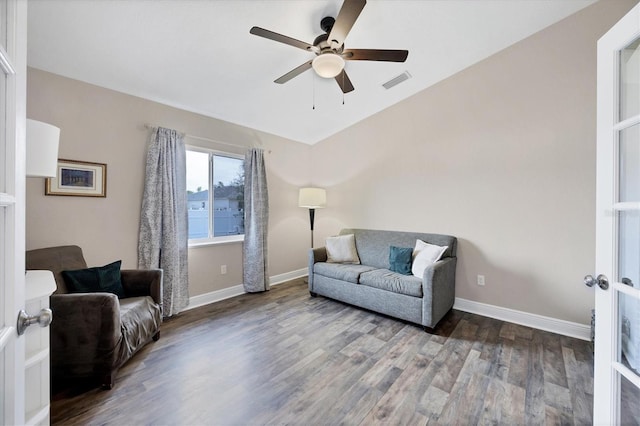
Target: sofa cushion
[[342, 249], [341, 271], [385, 279], [400, 259], [102, 279]]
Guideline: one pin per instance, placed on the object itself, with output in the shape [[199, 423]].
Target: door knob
[[601, 280], [43, 318]]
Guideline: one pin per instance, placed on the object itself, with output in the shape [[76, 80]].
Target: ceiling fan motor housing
[[322, 43], [327, 24]]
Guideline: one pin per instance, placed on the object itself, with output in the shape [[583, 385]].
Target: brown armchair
[[93, 334]]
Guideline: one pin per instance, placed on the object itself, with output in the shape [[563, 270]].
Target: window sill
[[209, 243]]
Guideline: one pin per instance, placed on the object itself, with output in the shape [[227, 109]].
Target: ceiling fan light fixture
[[328, 65]]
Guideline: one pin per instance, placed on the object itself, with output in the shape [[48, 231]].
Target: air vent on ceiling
[[397, 80]]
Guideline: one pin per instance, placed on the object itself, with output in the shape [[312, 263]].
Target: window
[[215, 195]]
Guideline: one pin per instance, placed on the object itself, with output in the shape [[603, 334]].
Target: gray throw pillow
[[342, 249]]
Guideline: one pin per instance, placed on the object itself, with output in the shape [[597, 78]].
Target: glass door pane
[[629, 164], [629, 248], [629, 325], [3, 24], [3, 127], [630, 80], [629, 407], [2, 379]]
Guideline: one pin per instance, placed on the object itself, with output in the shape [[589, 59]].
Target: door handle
[[43, 318], [601, 280]]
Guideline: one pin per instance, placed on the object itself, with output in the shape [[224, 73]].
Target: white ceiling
[[198, 55]]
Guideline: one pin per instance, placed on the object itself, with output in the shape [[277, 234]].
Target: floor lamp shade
[[312, 198], [42, 149]]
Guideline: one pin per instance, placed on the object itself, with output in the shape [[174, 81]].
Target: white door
[[617, 334], [13, 25]]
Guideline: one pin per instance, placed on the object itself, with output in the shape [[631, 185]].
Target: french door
[[13, 16], [617, 333]]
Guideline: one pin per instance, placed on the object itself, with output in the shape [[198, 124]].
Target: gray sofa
[[371, 285]]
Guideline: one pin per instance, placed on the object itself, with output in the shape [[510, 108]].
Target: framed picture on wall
[[78, 178]]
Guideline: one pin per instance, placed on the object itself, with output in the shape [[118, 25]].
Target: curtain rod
[[150, 127]]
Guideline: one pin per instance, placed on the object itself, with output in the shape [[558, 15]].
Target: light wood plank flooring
[[283, 357]]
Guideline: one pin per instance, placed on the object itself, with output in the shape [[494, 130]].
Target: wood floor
[[283, 357]]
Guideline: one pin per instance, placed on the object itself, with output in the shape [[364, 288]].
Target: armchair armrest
[[143, 282], [86, 328], [439, 290], [315, 255]]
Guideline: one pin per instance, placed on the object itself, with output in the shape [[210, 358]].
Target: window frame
[[213, 240]]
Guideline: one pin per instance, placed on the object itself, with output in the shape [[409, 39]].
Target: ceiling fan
[[329, 47]]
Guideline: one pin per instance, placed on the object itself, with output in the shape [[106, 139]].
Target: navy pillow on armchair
[[103, 279]]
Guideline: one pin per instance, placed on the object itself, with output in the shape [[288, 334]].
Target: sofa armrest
[[318, 255], [86, 328], [315, 255], [143, 282], [439, 290]]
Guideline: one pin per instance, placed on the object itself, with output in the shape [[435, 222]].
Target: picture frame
[[79, 179]]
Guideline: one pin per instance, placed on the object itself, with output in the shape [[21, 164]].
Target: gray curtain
[[163, 218], [256, 218]]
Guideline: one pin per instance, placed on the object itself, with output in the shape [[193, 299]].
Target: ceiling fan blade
[[346, 18], [294, 72], [375, 55], [261, 32], [344, 82]]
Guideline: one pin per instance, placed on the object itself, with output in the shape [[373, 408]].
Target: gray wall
[[501, 155], [105, 126]]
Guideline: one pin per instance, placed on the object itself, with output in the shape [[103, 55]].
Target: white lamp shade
[[328, 65], [42, 149], [312, 198]]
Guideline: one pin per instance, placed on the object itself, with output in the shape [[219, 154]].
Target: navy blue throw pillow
[[103, 279], [400, 259]]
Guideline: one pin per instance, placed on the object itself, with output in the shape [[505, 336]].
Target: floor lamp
[[312, 198]]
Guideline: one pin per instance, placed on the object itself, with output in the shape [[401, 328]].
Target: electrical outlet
[[480, 279], [223, 269]]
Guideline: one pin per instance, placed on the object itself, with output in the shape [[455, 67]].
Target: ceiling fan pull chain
[[343, 73], [313, 88]]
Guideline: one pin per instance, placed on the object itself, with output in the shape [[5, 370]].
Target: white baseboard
[[214, 296], [279, 279], [237, 290], [566, 328]]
